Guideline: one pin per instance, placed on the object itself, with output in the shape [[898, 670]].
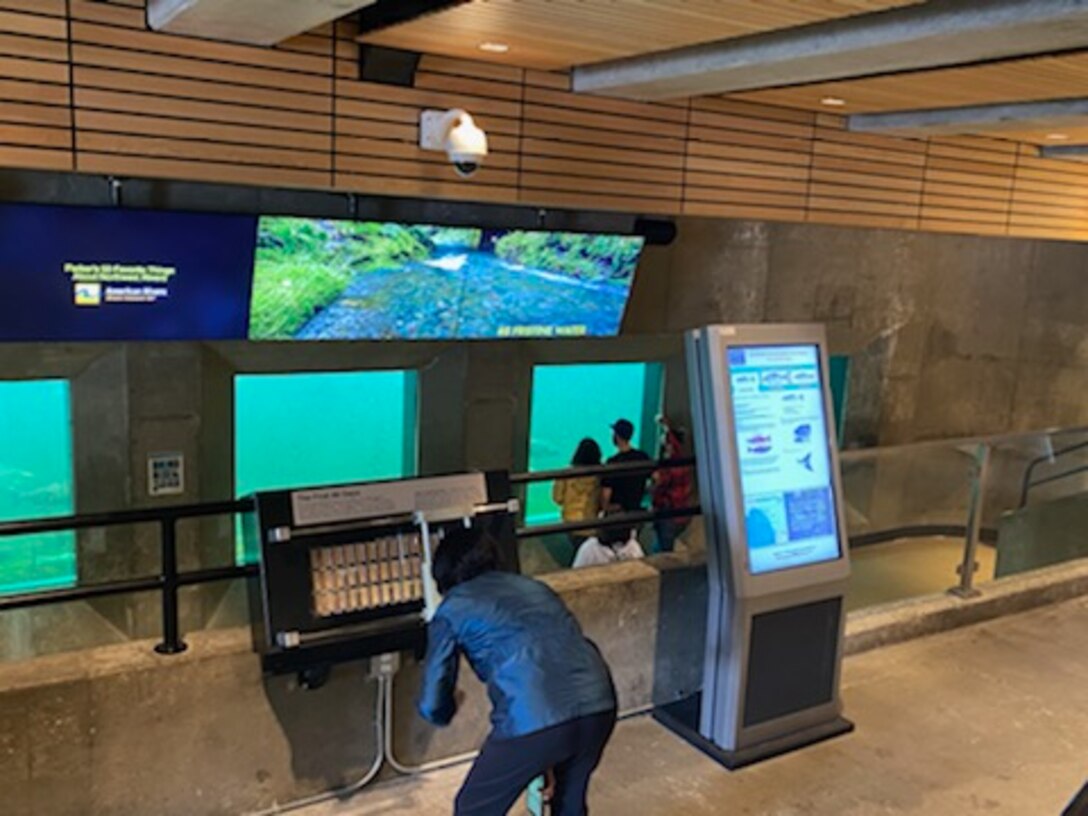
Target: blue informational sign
[[95, 273], [112, 273], [784, 455]]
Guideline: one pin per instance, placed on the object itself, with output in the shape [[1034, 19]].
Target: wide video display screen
[[356, 280], [785, 456], [96, 273]]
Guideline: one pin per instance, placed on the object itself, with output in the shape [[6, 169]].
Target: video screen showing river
[[317, 279]]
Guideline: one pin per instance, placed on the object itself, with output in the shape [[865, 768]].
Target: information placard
[[783, 448], [109, 273], [435, 496]]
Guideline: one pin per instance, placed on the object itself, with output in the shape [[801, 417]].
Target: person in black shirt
[[622, 493]]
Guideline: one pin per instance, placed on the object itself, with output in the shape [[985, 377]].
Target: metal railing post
[[171, 639], [967, 569]]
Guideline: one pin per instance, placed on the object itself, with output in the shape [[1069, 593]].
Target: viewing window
[[570, 402], [36, 482], [298, 430]]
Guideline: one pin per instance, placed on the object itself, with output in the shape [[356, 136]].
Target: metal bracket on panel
[[385, 665], [279, 535], [288, 640], [116, 190], [508, 506]]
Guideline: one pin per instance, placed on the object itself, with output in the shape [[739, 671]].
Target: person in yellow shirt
[[580, 497]]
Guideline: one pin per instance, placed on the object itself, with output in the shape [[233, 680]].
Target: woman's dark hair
[[463, 555], [615, 536], [587, 454]]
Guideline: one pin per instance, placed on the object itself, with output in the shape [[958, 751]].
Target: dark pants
[[666, 531], [505, 768]]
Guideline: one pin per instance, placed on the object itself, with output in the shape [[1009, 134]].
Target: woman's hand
[[549, 785]]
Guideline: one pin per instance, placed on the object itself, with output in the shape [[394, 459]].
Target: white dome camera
[[455, 133]]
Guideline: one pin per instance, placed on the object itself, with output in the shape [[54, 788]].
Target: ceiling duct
[[253, 22], [1054, 114], [1077, 153], [916, 37]]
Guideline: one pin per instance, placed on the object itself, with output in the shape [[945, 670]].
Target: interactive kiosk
[[776, 544]]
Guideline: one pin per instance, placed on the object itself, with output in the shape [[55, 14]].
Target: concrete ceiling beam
[[928, 35], [1077, 152], [1018, 116], [254, 22]]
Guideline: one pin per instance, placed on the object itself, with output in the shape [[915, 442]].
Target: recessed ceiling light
[[494, 47], [833, 101], [1057, 137]]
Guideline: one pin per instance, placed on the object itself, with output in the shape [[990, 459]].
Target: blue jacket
[[523, 643]]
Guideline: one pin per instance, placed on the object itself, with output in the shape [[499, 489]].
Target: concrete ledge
[[133, 656], [106, 730], [893, 623]]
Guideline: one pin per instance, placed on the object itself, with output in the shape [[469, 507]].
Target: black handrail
[[630, 468], [26, 600], [613, 521], [1054, 456], [117, 518], [170, 579]]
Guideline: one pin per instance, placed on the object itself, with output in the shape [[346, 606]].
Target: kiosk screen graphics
[[783, 451]]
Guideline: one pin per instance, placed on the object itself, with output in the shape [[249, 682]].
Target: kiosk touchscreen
[[776, 552], [784, 456]]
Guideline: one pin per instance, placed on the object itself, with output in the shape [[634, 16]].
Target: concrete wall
[[120, 731], [130, 400], [950, 335]]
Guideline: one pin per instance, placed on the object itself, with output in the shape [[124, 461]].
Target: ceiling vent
[[253, 22]]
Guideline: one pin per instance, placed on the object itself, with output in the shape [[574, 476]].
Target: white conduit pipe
[[348, 790], [383, 721], [428, 767], [412, 770]]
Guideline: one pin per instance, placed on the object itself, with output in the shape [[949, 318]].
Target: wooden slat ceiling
[[1073, 134], [1023, 80], [552, 34], [84, 86]]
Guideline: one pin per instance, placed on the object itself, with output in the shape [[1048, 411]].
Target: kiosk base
[[682, 718]]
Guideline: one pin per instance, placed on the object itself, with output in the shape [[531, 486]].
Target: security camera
[[456, 134]]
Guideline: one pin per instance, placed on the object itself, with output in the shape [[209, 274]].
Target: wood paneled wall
[[84, 86]]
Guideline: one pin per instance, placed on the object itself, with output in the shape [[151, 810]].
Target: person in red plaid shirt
[[671, 489]]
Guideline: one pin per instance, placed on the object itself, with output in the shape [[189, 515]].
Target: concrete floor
[[989, 719]]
